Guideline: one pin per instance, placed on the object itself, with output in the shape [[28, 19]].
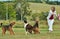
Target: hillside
[[42, 7]]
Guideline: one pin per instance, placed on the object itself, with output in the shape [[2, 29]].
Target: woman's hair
[[53, 8]]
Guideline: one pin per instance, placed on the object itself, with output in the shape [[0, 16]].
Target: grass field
[[20, 34]]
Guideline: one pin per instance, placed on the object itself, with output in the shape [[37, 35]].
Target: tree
[[2, 10], [22, 9]]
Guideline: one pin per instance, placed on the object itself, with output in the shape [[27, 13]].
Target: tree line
[[14, 10], [46, 1], [18, 10]]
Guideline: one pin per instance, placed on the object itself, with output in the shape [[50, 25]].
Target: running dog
[[28, 27]]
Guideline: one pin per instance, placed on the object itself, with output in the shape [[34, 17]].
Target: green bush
[[35, 15], [41, 16], [36, 1], [19, 24]]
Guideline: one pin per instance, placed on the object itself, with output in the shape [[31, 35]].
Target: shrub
[[36, 1], [43, 15], [19, 24], [35, 15]]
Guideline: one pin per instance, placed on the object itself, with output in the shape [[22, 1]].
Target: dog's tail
[[1, 24]]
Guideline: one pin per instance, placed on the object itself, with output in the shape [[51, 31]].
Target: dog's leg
[[36, 31], [26, 31], [30, 31], [11, 31], [3, 31]]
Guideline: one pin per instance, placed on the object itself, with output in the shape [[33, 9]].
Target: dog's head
[[25, 21], [12, 23]]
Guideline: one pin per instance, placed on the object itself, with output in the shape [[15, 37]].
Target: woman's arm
[[49, 15]]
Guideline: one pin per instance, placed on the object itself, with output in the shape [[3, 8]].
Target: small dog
[[28, 27], [36, 28], [7, 27]]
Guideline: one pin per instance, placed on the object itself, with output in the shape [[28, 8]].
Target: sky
[[55, 0]]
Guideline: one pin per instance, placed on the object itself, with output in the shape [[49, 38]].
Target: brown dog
[[7, 27], [36, 28]]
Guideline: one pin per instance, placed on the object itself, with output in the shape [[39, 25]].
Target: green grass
[[20, 34]]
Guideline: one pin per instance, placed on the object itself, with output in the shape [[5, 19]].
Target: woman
[[50, 18]]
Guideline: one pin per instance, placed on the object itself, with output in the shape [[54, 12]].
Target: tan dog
[[7, 27]]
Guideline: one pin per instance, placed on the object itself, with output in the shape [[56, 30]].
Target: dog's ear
[[12, 23]]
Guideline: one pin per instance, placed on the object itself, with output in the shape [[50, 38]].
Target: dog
[[28, 27], [36, 28], [7, 27]]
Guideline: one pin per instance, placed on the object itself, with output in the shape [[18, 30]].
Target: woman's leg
[[50, 24]]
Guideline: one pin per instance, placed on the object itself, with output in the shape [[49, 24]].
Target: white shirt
[[50, 13]]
